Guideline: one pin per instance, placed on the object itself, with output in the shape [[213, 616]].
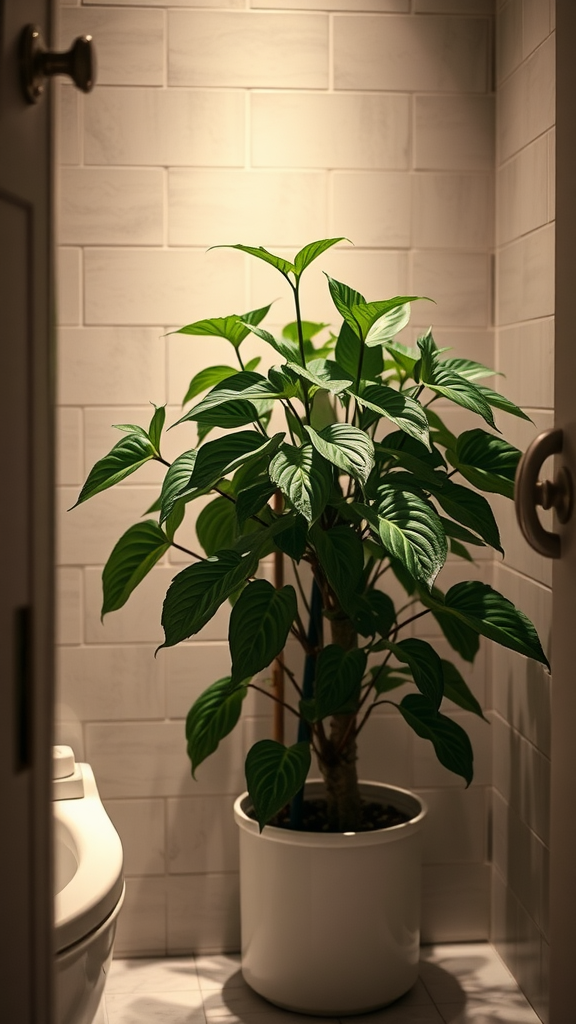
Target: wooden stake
[[278, 667]]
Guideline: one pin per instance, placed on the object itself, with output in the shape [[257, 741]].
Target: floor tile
[[214, 970], [472, 967], [157, 1008], [503, 1008], [171, 974]]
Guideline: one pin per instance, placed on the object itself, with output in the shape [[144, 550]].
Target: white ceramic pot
[[331, 922]]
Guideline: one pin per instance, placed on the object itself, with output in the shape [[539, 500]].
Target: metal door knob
[[529, 492], [37, 64]]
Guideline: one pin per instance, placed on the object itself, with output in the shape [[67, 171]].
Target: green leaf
[[233, 328], [344, 298], [346, 447], [126, 457], [207, 378], [217, 458], [304, 478], [383, 610], [441, 433], [347, 353], [216, 525], [156, 426], [337, 682], [324, 373], [197, 592], [250, 500], [274, 774], [425, 666], [386, 677], [458, 549], [469, 368], [486, 461], [174, 520], [259, 627], [312, 251], [470, 509], [499, 402], [341, 556], [412, 532], [495, 617], [458, 532], [458, 691], [228, 390], [389, 323], [398, 408], [131, 559], [451, 743], [451, 385], [284, 266], [285, 346], [211, 718], [176, 482], [309, 330], [293, 540]]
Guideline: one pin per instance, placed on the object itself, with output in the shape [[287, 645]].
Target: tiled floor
[[459, 984]]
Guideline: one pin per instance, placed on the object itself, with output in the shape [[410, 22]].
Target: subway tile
[[141, 928], [148, 759], [202, 836], [429, 772], [267, 208], [459, 283], [452, 211], [189, 669], [129, 44], [454, 133], [170, 3], [385, 751], [140, 825], [455, 829], [68, 606], [160, 127], [186, 356], [112, 683], [68, 125], [68, 285], [255, 50], [535, 24], [509, 39], [452, 6], [401, 53], [522, 192], [139, 620], [388, 6], [68, 729], [522, 696], [87, 534], [526, 101], [534, 599], [203, 913], [305, 130], [525, 355], [376, 274], [525, 277], [519, 857], [139, 286], [69, 461], [107, 206], [455, 902], [372, 208], [551, 136], [109, 366], [466, 343]]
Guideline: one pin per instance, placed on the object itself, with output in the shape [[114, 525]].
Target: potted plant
[[356, 483]]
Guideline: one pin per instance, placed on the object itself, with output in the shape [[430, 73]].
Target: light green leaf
[[412, 532], [233, 328], [347, 353], [126, 457], [197, 592], [469, 368], [311, 252], [285, 346], [324, 373], [304, 478], [284, 266], [344, 298], [211, 718], [259, 625], [131, 559], [274, 774], [207, 378], [451, 743], [347, 447], [401, 410], [451, 385]]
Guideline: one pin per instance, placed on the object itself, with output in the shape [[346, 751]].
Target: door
[[26, 590]]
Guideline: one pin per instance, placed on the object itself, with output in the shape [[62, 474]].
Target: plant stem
[[201, 558], [400, 625], [295, 289], [252, 686]]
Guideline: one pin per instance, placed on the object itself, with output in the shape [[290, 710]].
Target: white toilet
[[89, 889]]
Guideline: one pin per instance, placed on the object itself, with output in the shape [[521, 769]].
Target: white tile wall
[[272, 123]]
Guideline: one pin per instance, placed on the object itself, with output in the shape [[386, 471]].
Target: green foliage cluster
[[368, 473]]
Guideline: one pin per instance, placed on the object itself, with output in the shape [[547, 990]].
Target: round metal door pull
[[529, 492], [37, 64]]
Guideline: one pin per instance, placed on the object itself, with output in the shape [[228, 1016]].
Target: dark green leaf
[[398, 408], [304, 478], [216, 525], [495, 617], [217, 458], [458, 549], [284, 266], [454, 530], [458, 389], [412, 532], [292, 541], [133, 556], [157, 425], [347, 353], [470, 509], [211, 718], [383, 610], [486, 461], [259, 626], [341, 556], [233, 328], [274, 774], [126, 457], [458, 691], [337, 682], [324, 373], [499, 402], [425, 665], [176, 481], [250, 500], [344, 298], [207, 378], [197, 592], [451, 743]]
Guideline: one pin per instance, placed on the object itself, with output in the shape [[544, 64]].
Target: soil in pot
[[374, 816]]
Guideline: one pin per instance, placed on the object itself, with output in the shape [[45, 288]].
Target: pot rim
[[406, 798]]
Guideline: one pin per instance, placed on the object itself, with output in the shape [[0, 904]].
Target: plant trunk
[[338, 751]]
